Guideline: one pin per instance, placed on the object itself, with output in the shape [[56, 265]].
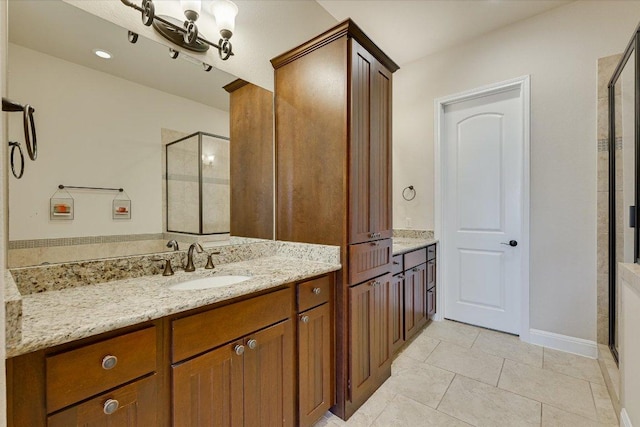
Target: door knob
[[511, 243]]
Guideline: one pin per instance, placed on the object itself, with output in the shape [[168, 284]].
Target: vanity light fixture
[[102, 53], [186, 33]]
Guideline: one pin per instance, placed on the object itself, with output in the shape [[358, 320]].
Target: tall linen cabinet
[[333, 186]]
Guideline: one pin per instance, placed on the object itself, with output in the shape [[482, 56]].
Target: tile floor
[[454, 374]]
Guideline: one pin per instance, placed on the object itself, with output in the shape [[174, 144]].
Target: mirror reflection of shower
[[197, 189]]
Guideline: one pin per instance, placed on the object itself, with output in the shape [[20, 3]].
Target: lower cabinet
[[315, 373], [415, 300], [369, 328], [396, 311], [247, 382]]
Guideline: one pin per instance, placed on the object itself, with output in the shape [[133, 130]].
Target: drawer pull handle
[[414, 269], [109, 362], [375, 283], [110, 406], [252, 344], [400, 276], [396, 263], [317, 291], [305, 319], [238, 349]]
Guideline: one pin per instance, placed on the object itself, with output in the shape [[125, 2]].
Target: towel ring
[[409, 193], [13, 146], [30, 139]]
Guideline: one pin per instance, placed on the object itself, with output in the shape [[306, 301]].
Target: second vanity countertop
[[403, 245], [56, 317]]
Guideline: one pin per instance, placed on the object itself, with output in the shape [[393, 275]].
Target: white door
[[483, 144]]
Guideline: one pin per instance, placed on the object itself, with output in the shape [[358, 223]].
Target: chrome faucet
[[198, 248]]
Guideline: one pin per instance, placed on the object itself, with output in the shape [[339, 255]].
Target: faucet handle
[[210, 265], [168, 271]]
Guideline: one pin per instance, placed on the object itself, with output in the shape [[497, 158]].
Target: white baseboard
[[565, 343], [624, 419]]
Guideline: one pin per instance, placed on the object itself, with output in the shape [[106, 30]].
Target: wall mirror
[[624, 140], [100, 123]]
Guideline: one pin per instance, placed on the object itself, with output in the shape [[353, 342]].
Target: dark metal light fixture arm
[[224, 47]]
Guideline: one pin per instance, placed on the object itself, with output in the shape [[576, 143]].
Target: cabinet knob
[[305, 319], [252, 344], [238, 349], [414, 269], [110, 406], [396, 263], [109, 362], [316, 291]]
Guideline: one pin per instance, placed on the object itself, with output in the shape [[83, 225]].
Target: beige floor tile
[[509, 347], [420, 348], [554, 417], [604, 407], [368, 412], [421, 382], [405, 412], [565, 392], [480, 404], [454, 332], [573, 365], [469, 362], [402, 362]]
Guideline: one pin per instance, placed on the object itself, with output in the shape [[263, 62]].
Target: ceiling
[[405, 30], [410, 30]]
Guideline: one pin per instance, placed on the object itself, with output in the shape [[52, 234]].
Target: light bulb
[[225, 12], [191, 8]]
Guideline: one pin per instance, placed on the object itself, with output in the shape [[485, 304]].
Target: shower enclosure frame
[[200, 206], [632, 47]]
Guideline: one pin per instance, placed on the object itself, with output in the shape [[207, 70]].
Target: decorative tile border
[[603, 144], [88, 240]]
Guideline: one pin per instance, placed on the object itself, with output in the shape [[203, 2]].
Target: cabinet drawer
[[79, 374], [411, 259], [314, 292], [397, 266], [201, 332], [369, 260], [136, 401], [431, 252]]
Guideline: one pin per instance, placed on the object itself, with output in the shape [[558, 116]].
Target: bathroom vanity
[[134, 352]]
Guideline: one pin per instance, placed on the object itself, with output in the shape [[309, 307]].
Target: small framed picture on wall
[[122, 209], [61, 209]]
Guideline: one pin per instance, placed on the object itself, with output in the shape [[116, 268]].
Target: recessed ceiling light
[[102, 53]]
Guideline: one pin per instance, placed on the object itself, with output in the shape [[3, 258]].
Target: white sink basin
[[208, 283]]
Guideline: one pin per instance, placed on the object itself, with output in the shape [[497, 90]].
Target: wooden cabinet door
[[381, 324], [369, 328], [415, 300], [362, 66], [360, 316], [380, 152], [208, 390], [431, 274], [370, 148], [136, 406], [315, 372], [396, 311], [269, 377]]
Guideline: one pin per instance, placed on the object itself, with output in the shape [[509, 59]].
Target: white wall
[[559, 49], [93, 130]]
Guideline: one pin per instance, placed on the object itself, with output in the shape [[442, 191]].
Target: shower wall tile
[[606, 66], [603, 171]]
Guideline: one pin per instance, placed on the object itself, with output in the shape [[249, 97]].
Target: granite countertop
[[402, 245], [56, 317]]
